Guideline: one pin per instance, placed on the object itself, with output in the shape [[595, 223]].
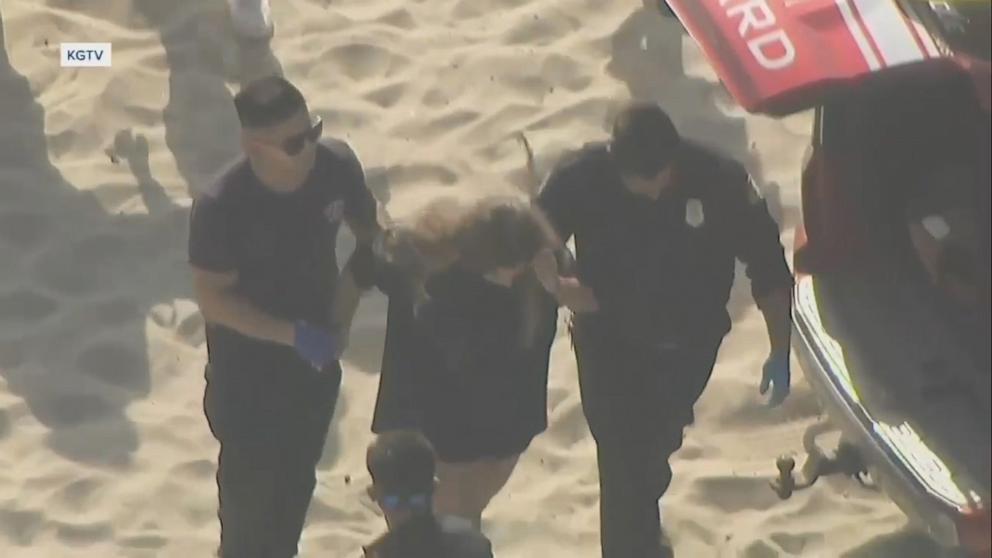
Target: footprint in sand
[[163, 315], [113, 364], [21, 527], [84, 534], [73, 410], [691, 453], [23, 229], [78, 495], [760, 549], [535, 31], [83, 266], [4, 424], [24, 308], [399, 18], [143, 542], [116, 311], [388, 95], [796, 543], [435, 97], [191, 329], [736, 494], [195, 470], [450, 121], [360, 62]]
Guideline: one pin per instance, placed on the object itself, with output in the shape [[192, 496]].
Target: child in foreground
[[402, 466]]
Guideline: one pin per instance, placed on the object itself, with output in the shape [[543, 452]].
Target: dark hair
[[402, 464], [645, 141], [268, 101]]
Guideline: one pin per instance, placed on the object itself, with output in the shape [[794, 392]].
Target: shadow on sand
[[78, 281], [903, 544]]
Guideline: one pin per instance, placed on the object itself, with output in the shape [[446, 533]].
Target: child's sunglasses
[[416, 501], [295, 143]]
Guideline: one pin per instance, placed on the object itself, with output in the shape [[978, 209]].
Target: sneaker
[[251, 19]]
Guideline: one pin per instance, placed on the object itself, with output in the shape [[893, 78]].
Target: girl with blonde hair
[[468, 340]]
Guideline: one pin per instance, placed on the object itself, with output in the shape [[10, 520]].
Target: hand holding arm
[[560, 200]]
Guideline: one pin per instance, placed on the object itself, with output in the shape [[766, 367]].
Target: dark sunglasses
[[417, 502], [295, 143]]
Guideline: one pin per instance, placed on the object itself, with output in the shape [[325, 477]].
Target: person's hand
[[777, 375], [315, 345], [576, 296]]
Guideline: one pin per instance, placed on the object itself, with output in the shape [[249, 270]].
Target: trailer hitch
[[846, 460]]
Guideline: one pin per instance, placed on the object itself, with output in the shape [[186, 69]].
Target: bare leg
[[493, 478], [465, 489], [452, 496]]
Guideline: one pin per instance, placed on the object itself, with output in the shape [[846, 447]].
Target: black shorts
[[458, 373], [465, 421], [463, 438]]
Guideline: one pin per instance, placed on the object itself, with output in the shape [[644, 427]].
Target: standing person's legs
[[246, 491], [613, 403], [634, 474], [637, 408], [265, 474], [301, 452], [246, 485]]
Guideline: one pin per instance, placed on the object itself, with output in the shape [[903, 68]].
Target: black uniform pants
[[637, 401], [268, 456]]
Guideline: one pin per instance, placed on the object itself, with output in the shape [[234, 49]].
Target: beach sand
[[104, 450]]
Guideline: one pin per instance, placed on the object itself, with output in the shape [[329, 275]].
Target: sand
[[104, 450]]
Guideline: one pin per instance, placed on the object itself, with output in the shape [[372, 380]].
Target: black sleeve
[[362, 264], [755, 235], [360, 205], [210, 236], [560, 196], [360, 211]]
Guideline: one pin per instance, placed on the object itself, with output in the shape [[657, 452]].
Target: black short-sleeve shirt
[[281, 245], [665, 268]]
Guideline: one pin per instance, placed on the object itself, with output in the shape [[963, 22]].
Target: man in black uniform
[[402, 465], [262, 249], [658, 222]]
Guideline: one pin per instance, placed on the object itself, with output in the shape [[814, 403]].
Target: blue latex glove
[[777, 375], [315, 345]]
